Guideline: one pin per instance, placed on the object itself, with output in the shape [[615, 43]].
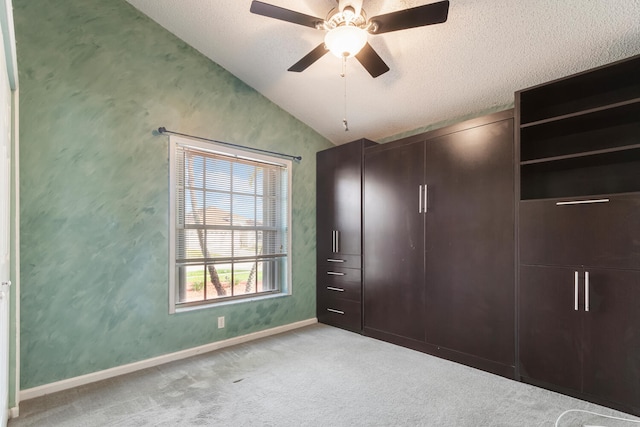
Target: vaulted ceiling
[[468, 65]]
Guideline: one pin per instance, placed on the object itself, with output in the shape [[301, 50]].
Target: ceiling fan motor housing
[[355, 5], [347, 17]]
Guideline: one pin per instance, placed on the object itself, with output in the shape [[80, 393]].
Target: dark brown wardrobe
[[510, 242], [579, 287], [439, 242], [339, 235]]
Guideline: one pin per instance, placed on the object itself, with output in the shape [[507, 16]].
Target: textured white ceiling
[[472, 63]]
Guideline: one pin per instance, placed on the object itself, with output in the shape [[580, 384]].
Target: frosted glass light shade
[[345, 41]]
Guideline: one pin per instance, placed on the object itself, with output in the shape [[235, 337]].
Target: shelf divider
[[580, 113], [581, 154]]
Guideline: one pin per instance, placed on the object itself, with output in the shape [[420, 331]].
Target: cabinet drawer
[[596, 234], [341, 313], [328, 274], [337, 290], [340, 260]]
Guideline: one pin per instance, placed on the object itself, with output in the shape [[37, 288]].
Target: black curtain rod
[[162, 130]]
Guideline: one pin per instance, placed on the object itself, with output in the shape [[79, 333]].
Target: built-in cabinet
[[439, 242], [578, 331], [520, 259], [339, 235], [579, 221]]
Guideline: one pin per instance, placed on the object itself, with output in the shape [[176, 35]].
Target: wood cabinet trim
[[446, 130]]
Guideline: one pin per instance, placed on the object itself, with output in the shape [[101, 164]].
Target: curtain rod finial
[[162, 129]]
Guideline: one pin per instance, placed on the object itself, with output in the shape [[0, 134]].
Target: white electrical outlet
[[220, 322]]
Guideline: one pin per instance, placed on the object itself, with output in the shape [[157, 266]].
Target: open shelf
[[581, 154], [608, 172], [630, 105], [597, 88], [580, 135], [598, 130]]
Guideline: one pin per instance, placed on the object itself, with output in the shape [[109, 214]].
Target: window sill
[[214, 304]]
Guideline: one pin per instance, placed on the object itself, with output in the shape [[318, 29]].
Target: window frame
[[210, 147]]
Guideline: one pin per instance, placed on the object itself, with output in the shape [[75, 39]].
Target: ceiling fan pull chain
[[344, 76]]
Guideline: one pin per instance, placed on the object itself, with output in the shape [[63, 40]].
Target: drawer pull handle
[[335, 311], [582, 202], [331, 288], [333, 273], [334, 260]]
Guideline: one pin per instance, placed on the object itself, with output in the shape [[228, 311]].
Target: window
[[230, 221]]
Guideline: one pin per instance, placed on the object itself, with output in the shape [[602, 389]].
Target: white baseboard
[[45, 389], [14, 412]]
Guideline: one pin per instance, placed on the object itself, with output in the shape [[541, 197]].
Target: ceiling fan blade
[[309, 58], [434, 13], [371, 61], [276, 12]]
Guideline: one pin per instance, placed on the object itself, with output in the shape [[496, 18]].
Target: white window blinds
[[231, 226]]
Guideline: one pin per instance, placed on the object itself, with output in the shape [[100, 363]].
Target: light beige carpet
[[315, 376]]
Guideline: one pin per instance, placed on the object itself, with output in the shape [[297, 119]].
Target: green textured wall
[[96, 78]]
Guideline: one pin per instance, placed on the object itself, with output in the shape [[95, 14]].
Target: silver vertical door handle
[[426, 198], [420, 198], [337, 241], [586, 291], [575, 291], [333, 241]]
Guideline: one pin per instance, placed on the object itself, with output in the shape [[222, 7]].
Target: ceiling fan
[[347, 29]]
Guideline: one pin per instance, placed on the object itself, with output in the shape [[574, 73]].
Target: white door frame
[[11, 66]]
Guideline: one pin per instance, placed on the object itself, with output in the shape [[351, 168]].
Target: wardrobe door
[[393, 241], [339, 187], [325, 203], [470, 242], [347, 195]]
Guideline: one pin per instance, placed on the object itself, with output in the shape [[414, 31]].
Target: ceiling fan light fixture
[[345, 41]]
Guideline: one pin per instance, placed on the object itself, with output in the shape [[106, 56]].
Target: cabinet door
[[339, 195], [612, 336], [596, 234], [550, 329], [394, 241], [325, 204], [470, 273]]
